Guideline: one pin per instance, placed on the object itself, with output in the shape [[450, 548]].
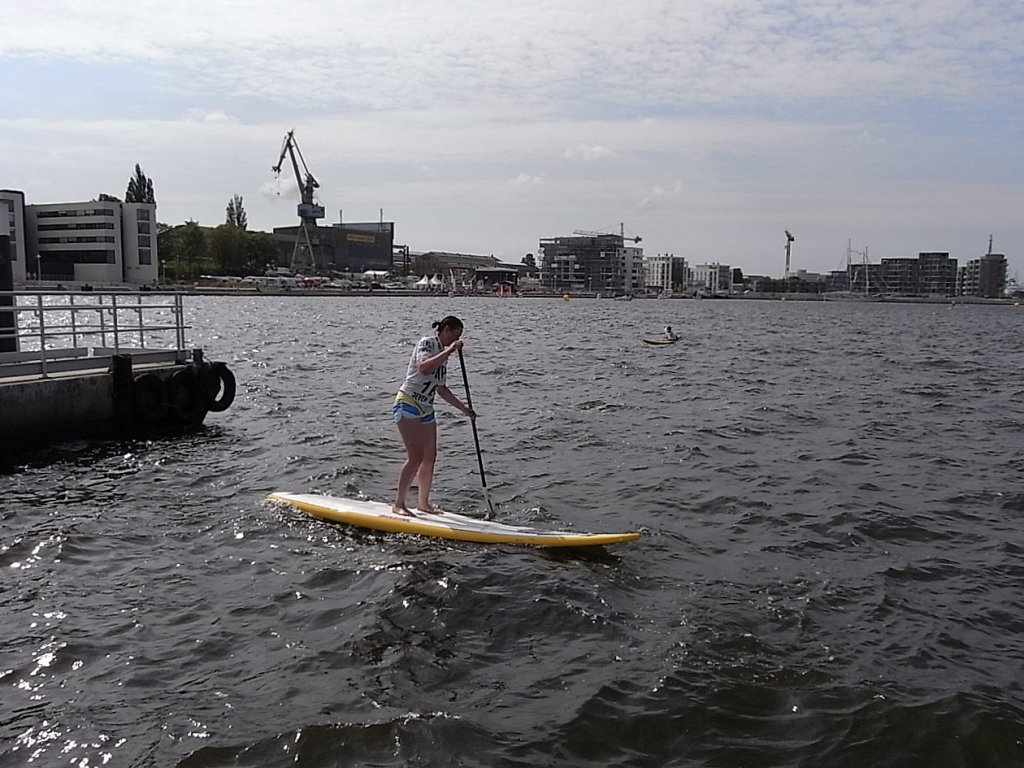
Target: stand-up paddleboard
[[660, 341], [444, 525]]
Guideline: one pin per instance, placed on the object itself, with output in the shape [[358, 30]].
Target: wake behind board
[[444, 525], [660, 341]]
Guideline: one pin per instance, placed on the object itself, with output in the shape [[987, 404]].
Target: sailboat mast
[[867, 272], [849, 264]]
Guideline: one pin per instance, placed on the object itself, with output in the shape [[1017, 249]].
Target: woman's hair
[[448, 322]]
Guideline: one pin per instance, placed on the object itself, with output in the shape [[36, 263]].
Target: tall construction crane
[[307, 240], [789, 248]]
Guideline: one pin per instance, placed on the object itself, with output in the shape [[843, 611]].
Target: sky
[[706, 127]]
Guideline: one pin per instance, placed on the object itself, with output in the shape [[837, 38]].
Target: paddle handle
[[476, 438]]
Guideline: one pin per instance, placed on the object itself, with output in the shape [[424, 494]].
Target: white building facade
[[94, 242], [633, 268], [139, 253], [665, 272], [712, 279]]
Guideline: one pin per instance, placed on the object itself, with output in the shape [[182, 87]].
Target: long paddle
[[476, 439]]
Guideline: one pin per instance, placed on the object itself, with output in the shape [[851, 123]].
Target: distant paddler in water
[[413, 410], [668, 337]]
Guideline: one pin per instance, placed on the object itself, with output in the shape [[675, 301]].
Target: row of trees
[[188, 250]]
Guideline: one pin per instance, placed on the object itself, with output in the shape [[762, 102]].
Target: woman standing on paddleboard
[[414, 409]]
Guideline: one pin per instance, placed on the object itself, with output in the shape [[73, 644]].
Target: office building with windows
[[985, 277], [591, 262], [712, 279], [666, 272], [95, 242], [937, 274]]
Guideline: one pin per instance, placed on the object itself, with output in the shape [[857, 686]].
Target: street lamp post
[[39, 269]]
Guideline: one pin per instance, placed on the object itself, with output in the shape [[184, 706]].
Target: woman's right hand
[[455, 346]]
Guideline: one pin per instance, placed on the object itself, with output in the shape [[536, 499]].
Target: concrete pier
[[35, 412], [121, 401], [129, 385]]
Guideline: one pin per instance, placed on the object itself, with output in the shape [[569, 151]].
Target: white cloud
[[587, 152], [660, 191], [809, 114], [644, 54], [208, 116]]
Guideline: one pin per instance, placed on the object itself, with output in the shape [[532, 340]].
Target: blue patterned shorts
[[406, 407]]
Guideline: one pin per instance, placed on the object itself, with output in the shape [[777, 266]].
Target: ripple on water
[[829, 565]]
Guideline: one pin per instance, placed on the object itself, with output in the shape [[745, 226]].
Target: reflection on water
[[830, 500]]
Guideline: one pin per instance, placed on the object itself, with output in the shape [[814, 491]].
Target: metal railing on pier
[[46, 332]]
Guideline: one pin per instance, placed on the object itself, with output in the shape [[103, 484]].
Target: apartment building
[[936, 273], [712, 279], [598, 262], [900, 276], [95, 242], [985, 277], [666, 272]]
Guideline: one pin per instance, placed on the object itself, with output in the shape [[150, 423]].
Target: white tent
[[436, 282], [423, 282]]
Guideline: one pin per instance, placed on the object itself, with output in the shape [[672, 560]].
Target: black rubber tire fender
[[149, 396], [187, 396], [220, 386]]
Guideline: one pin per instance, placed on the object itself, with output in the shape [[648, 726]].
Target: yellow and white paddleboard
[[444, 525], [660, 341]]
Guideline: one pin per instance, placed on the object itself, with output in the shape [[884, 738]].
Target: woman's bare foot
[[402, 511]]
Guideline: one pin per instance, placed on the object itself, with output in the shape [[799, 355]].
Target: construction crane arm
[[309, 176], [290, 147], [585, 233], [284, 151]]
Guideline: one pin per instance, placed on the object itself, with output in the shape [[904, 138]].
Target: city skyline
[[706, 129]]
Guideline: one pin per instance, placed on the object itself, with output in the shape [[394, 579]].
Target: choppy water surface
[[831, 572]]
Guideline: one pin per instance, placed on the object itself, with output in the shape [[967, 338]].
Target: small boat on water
[[660, 341], [624, 297]]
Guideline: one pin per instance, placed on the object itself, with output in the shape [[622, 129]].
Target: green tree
[[236, 213], [530, 261], [193, 248], [228, 248], [167, 248], [105, 198], [140, 188], [261, 252]]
